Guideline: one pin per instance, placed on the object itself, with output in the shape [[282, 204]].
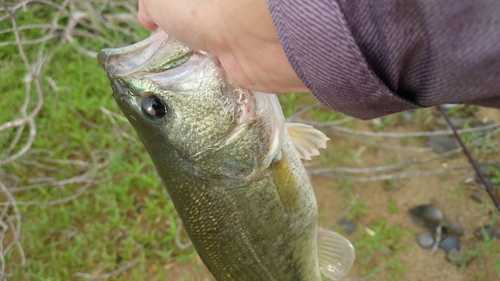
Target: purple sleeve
[[369, 58]]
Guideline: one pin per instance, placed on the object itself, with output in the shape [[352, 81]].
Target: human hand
[[240, 33]]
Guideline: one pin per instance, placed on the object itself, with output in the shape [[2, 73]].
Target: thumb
[[144, 18]]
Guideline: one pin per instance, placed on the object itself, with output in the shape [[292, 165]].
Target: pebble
[[426, 215], [452, 228], [347, 225], [477, 196], [449, 243], [416, 217], [492, 231], [425, 240], [441, 144], [431, 213]]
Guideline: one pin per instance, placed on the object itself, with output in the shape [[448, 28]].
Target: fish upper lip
[[102, 58], [123, 61]]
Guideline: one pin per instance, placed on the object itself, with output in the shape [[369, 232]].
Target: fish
[[231, 165]]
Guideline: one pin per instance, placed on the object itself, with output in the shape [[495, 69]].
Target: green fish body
[[230, 164]]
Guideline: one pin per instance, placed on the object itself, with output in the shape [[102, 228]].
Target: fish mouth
[[157, 53], [122, 61]]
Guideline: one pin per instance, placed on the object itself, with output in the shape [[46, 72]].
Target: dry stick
[[113, 273], [57, 16], [324, 124], [16, 230], [471, 160], [302, 111], [397, 135], [177, 239], [323, 171], [386, 146], [23, 5], [33, 76], [438, 239], [411, 174]]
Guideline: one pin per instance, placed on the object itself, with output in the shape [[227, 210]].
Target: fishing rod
[[466, 151]]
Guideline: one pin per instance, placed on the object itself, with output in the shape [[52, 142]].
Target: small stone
[[477, 196], [426, 215], [416, 217], [449, 243], [441, 144], [425, 240], [492, 231], [432, 213], [347, 225], [452, 228], [456, 257]]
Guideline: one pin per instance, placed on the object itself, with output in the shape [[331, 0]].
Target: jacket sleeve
[[370, 58]]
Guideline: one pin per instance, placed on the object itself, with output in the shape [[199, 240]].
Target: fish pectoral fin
[[335, 254], [306, 140]]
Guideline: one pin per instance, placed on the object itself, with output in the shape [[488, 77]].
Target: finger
[[144, 18]]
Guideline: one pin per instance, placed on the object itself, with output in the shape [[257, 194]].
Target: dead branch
[[82, 19], [182, 246], [334, 127], [108, 275], [323, 171], [438, 238]]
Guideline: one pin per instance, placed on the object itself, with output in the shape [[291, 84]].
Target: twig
[[108, 275], [303, 110], [402, 175], [399, 135], [15, 230], [70, 19], [323, 171], [438, 239], [178, 242]]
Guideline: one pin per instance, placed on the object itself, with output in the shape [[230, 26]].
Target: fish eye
[[154, 107]]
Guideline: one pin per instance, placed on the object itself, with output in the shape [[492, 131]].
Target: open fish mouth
[[121, 61], [165, 62], [156, 54]]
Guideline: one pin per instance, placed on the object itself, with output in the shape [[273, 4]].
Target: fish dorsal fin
[[306, 139], [335, 254]]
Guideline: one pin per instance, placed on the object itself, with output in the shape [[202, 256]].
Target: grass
[[101, 230], [125, 215], [379, 250]]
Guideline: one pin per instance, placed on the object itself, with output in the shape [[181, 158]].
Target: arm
[[372, 58]]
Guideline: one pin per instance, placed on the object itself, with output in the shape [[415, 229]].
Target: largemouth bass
[[229, 162]]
